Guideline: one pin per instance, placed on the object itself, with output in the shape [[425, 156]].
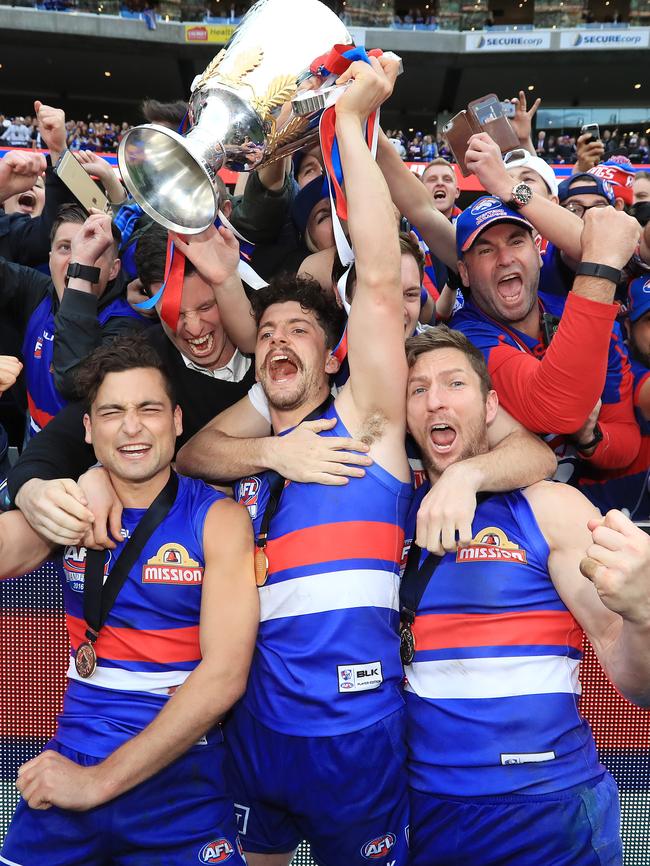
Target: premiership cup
[[239, 111]]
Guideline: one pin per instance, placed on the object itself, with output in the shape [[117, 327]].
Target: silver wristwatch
[[520, 196]]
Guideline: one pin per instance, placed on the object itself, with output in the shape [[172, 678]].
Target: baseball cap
[[601, 187], [638, 297], [306, 200], [485, 211], [522, 157], [298, 157], [619, 172]]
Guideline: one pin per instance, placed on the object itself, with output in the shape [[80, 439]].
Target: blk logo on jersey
[[249, 491], [217, 851], [491, 544], [359, 678], [379, 847], [172, 565]]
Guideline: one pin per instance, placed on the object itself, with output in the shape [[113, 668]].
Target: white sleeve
[[260, 403]]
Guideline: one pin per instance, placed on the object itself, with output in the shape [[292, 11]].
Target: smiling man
[[496, 744], [161, 632]]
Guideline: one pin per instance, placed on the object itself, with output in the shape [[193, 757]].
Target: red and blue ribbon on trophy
[[329, 67]]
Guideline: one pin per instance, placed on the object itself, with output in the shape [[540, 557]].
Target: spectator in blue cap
[[583, 191], [312, 216]]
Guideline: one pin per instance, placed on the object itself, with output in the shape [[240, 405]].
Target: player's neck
[[285, 419], [140, 494]]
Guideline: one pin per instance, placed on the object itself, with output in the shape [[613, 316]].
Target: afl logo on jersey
[[172, 565], [74, 566], [491, 544], [249, 491], [216, 852], [379, 847]]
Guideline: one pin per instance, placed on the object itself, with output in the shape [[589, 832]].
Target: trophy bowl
[[239, 111]]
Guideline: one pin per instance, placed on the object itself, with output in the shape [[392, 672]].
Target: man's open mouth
[[201, 346], [282, 368], [442, 437], [27, 201]]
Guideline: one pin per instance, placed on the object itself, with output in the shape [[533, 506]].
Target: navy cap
[[306, 200], [485, 211], [600, 187], [638, 297]]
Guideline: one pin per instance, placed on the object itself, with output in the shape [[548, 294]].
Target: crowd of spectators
[[104, 136], [554, 148], [96, 135]]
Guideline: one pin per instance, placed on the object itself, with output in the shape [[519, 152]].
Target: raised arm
[[612, 602], [377, 366], [229, 618], [414, 201], [215, 255], [553, 222]]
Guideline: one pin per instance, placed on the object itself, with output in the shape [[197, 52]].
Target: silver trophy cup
[[240, 114]]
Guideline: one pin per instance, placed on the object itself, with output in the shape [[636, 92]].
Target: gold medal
[[85, 660], [261, 564]]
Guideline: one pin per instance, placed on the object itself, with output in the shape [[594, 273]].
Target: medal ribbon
[[171, 290], [99, 594], [276, 485]]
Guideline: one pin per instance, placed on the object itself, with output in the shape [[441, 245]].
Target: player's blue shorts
[[346, 795], [179, 817], [579, 827]]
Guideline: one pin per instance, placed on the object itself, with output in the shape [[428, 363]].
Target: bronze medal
[[406, 644], [261, 564], [85, 660]]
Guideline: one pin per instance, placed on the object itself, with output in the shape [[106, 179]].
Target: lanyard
[[276, 485], [414, 583], [513, 335], [100, 595]]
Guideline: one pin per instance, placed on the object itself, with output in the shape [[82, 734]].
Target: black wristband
[[596, 440], [603, 272], [83, 272]]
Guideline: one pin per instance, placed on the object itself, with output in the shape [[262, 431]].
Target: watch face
[[522, 193]]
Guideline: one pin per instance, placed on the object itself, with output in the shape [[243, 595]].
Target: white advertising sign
[[590, 39], [531, 40]]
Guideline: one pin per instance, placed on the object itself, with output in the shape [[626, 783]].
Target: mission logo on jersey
[[491, 544], [172, 564]]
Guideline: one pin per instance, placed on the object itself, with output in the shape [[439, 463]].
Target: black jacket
[[59, 451], [26, 240]]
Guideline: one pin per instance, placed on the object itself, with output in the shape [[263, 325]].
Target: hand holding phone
[[592, 128], [482, 115]]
